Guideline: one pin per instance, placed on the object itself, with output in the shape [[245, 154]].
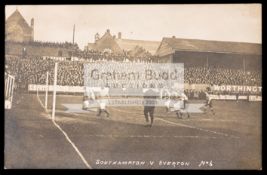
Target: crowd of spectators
[[71, 73], [220, 76], [66, 45]]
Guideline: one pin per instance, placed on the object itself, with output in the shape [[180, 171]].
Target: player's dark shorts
[[149, 110], [185, 103], [209, 103]]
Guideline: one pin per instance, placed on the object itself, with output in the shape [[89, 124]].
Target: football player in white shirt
[[209, 99], [176, 104], [88, 98], [166, 96], [103, 95], [184, 99]]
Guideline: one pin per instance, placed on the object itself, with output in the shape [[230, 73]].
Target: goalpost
[[54, 91], [45, 105], [46, 90]]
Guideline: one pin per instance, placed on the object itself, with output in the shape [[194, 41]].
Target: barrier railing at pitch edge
[[9, 89]]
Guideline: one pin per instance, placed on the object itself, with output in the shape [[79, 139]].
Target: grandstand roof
[[129, 44], [170, 45], [17, 19]]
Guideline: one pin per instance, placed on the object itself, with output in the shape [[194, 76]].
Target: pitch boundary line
[[188, 126], [38, 98], [67, 138], [73, 145]]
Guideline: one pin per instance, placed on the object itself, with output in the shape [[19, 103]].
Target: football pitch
[[230, 139]]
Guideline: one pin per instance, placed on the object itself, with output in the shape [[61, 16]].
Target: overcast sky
[[239, 22]]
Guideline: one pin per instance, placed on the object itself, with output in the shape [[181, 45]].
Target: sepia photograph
[[133, 86]]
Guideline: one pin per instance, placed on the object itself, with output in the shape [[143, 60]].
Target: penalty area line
[[150, 136], [193, 127], [67, 138]]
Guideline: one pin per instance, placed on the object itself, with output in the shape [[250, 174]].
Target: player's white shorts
[[102, 105], [178, 105], [86, 104], [167, 103]]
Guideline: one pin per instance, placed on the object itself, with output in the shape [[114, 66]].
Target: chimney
[[32, 22], [108, 31], [119, 35], [96, 37], [32, 26]]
